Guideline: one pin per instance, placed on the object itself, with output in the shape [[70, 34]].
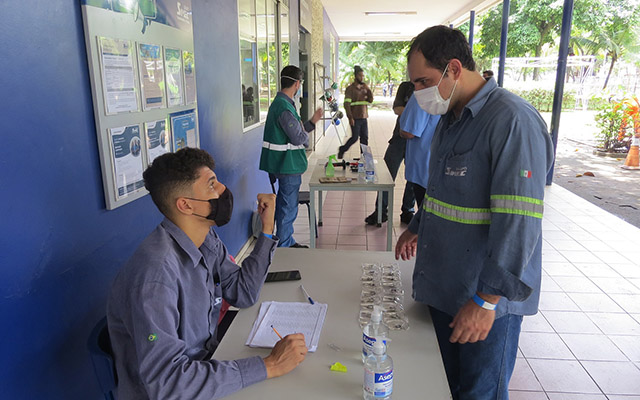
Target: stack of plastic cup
[[382, 286]]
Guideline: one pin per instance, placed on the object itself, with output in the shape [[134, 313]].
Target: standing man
[[417, 128], [165, 302], [478, 237], [283, 151], [356, 98], [393, 157]]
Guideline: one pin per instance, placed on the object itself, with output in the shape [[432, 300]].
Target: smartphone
[[278, 276]]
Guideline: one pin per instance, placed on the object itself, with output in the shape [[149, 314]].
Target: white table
[[333, 277], [384, 183]]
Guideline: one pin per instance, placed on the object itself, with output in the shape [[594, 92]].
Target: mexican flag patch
[[525, 173]]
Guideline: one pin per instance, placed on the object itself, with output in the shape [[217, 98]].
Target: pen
[[307, 294], [274, 329]]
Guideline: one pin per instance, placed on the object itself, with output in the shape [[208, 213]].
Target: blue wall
[[59, 247]]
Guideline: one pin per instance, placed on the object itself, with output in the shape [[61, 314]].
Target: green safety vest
[[279, 156]]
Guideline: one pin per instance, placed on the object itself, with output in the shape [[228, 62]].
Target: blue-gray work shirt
[[291, 126], [163, 313], [480, 225]]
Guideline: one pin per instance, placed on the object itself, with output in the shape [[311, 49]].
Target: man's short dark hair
[[440, 44], [292, 74], [357, 69], [488, 72], [173, 173]]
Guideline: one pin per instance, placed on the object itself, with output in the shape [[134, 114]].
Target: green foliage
[[381, 61], [542, 99], [609, 121]]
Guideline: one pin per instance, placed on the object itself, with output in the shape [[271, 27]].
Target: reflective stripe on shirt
[[281, 147], [504, 204], [359, 103], [463, 215], [519, 205]]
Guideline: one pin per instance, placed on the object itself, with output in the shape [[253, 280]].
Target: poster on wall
[[173, 63], [152, 76], [189, 77], [183, 127], [118, 75], [140, 55], [158, 139], [126, 146]]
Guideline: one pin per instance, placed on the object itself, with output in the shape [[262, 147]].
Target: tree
[[609, 29], [381, 61]]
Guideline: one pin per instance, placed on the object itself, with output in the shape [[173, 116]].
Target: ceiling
[[351, 23]]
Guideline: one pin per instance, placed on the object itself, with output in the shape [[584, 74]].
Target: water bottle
[[375, 330], [378, 374]]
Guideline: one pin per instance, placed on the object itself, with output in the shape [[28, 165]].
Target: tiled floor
[[584, 344]]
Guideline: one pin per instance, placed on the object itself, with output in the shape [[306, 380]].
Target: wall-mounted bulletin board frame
[[142, 70]]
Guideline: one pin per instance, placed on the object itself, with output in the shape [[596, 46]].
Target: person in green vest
[[283, 151]]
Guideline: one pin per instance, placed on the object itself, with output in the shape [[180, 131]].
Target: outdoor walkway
[[584, 344]]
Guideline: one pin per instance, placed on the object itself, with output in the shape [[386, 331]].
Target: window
[[248, 61], [264, 51], [284, 34]]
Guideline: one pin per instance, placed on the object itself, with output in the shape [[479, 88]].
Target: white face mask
[[430, 100]]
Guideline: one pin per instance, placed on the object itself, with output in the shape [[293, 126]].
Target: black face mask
[[221, 208]]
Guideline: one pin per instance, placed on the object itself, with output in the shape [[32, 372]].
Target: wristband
[[267, 235], [484, 304]]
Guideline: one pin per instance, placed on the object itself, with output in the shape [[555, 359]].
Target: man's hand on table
[[286, 355], [407, 245], [472, 323], [266, 210]]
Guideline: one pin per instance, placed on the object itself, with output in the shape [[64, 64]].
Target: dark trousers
[[393, 158], [418, 192], [481, 370], [360, 129]]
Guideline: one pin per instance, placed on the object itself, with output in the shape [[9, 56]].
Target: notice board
[[142, 71]]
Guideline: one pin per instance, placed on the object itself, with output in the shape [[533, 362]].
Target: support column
[[563, 53], [503, 41], [472, 23]]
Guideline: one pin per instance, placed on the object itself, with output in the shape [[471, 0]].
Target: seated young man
[[165, 302]]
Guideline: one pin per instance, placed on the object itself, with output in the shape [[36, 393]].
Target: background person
[[393, 157], [356, 98], [283, 151]]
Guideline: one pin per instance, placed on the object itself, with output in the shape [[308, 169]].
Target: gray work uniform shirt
[[163, 313], [297, 134], [480, 226]]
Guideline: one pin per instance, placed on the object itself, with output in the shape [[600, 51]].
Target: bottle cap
[[376, 315]]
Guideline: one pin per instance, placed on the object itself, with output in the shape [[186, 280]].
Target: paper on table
[[287, 318]]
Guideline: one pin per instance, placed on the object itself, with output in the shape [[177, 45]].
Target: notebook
[[287, 318]]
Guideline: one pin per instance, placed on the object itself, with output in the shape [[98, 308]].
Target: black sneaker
[[373, 218], [340, 154], [406, 217], [299, 246]]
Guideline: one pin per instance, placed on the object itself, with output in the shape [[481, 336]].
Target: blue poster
[[127, 159], [183, 127]]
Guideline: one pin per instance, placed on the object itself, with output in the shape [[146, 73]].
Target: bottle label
[[367, 344], [378, 384], [370, 175]]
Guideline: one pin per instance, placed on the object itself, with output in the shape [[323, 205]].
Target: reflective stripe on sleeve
[[518, 205], [463, 215], [281, 147], [347, 100]]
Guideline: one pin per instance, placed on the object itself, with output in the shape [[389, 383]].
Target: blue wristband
[[267, 235], [484, 304]]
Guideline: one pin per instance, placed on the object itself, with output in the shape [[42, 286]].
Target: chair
[[303, 197], [99, 346]]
